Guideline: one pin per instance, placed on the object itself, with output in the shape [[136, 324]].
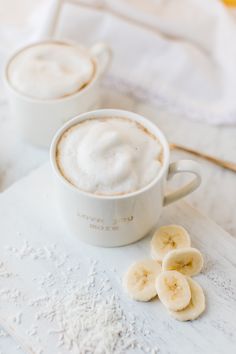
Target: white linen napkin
[[180, 54]]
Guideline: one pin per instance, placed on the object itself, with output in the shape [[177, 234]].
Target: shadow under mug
[[119, 220], [38, 119]]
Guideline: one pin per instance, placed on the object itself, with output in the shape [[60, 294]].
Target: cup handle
[[102, 52], [179, 167]]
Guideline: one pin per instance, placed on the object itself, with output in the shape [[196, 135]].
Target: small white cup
[[119, 220], [37, 119]]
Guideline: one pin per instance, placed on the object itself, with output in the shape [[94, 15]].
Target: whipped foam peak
[[50, 70], [109, 156]]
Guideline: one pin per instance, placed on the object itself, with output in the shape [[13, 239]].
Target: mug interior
[[63, 42], [114, 113]]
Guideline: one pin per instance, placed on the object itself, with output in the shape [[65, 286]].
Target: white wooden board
[[29, 212]]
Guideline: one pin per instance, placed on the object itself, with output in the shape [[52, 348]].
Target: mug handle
[[102, 52], [179, 167]]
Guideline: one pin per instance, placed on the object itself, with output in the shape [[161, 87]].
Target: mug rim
[[108, 112], [50, 100]]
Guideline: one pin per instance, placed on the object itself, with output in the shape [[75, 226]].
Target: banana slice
[[139, 281], [196, 306], [188, 261], [173, 290], [168, 238]]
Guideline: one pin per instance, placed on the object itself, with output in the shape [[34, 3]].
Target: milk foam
[[109, 156], [50, 70]]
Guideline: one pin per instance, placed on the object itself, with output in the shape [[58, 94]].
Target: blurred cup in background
[[38, 119]]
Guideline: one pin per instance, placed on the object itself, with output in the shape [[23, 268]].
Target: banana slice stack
[[168, 274]]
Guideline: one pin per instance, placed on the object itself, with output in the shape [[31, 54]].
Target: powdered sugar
[[78, 306], [3, 334], [4, 273]]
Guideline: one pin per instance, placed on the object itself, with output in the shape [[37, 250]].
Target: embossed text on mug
[[99, 223]]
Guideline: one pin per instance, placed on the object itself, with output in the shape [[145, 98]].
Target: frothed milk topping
[[50, 70], [109, 156]]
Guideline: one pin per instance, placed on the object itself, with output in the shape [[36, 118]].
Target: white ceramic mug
[[118, 220], [37, 119]]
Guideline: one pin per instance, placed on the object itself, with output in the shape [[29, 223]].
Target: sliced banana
[[196, 306], [139, 281], [168, 238], [173, 290], [188, 261]]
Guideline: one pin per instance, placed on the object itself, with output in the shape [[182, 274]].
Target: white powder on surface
[[4, 273], [17, 318], [78, 305], [3, 334]]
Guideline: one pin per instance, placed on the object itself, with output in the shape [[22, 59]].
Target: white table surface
[[43, 258], [215, 197]]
